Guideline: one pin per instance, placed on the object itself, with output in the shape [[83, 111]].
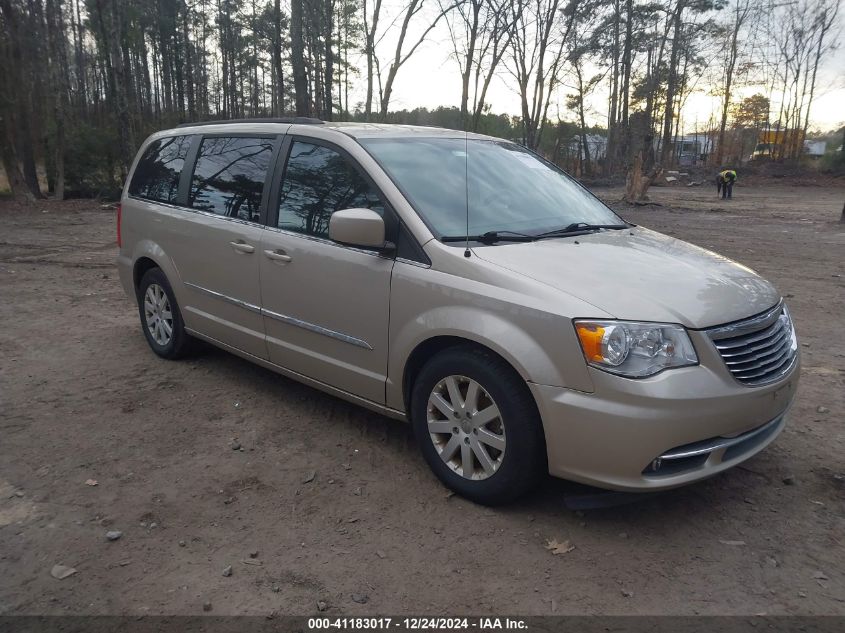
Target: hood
[[641, 275]]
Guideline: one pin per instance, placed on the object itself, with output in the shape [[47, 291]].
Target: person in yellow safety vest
[[725, 183]]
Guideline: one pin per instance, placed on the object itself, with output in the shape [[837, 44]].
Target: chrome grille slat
[[775, 349], [770, 374], [758, 350], [755, 348], [743, 373], [739, 341]]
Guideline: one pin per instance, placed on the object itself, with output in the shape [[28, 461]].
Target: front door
[[325, 305], [218, 259]]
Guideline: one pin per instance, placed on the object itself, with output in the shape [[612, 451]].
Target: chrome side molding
[[305, 325], [319, 329], [217, 295]]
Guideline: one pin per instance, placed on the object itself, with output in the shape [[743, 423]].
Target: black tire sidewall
[[524, 461], [177, 343]]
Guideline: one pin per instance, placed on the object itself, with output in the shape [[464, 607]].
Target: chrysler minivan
[[462, 283]]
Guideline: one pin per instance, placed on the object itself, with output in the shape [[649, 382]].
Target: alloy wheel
[[158, 315], [466, 427]]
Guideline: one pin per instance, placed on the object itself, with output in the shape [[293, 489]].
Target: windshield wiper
[[576, 228], [490, 237], [580, 227]]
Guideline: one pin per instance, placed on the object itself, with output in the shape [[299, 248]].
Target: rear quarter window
[[229, 175], [159, 169]]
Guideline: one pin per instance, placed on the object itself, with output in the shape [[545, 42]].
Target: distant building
[[778, 143], [816, 149], [688, 150], [596, 144]]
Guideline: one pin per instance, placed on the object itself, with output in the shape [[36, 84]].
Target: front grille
[[759, 350]]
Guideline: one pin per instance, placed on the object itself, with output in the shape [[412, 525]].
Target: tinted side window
[[229, 176], [319, 181], [157, 174]]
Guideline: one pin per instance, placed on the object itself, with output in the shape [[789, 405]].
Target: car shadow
[[553, 499]]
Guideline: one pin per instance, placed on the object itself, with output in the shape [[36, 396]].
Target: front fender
[[540, 345]]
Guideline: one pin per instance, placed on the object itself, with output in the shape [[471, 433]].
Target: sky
[[431, 78]]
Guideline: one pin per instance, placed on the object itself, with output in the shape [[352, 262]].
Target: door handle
[[242, 247], [278, 256]]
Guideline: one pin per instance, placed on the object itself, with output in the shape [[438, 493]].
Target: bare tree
[[297, 48], [370, 29], [741, 11], [535, 62], [16, 113], [278, 96], [579, 47], [480, 32], [401, 53], [677, 24], [95, 75], [825, 14], [57, 63], [809, 31]]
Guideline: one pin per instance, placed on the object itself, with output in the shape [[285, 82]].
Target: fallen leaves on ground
[[559, 548]]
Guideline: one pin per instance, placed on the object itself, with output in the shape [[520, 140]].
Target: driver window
[[319, 181]]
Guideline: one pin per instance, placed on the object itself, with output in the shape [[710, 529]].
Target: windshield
[[510, 189]]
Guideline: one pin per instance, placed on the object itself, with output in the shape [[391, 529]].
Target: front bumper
[[698, 421]]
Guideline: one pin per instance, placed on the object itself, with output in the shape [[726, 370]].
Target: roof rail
[[285, 119]]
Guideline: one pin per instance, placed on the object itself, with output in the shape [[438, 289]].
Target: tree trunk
[[55, 34], [468, 61], [412, 9], [397, 59], [278, 76], [584, 143], [19, 128], [78, 37], [626, 79], [613, 111], [120, 94], [328, 78], [11, 165], [371, 53], [164, 52], [297, 58], [638, 181], [733, 55], [502, 36], [672, 84], [189, 65]]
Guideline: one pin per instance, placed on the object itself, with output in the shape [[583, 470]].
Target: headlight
[[635, 349], [793, 338]]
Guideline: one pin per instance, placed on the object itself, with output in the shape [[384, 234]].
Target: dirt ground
[[83, 398]]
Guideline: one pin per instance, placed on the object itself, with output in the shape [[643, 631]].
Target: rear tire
[[161, 320], [478, 426]]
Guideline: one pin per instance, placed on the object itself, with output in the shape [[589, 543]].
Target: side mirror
[[357, 227]]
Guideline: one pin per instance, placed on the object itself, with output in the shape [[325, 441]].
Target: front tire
[[161, 319], [478, 426]]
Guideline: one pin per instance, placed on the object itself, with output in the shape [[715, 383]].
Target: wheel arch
[[429, 347], [140, 268], [147, 255]]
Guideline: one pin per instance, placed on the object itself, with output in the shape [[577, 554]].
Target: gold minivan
[[463, 283]]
